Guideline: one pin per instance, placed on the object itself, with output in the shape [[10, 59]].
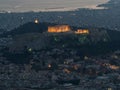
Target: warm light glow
[[59, 28], [49, 65], [36, 21], [75, 67], [66, 70], [82, 31], [114, 67]]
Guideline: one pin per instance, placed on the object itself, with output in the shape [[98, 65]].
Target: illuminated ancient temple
[[59, 28], [82, 31]]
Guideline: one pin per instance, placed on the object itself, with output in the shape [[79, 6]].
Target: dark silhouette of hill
[[29, 28], [30, 35], [32, 27]]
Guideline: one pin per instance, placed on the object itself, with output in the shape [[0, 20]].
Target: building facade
[[82, 31], [59, 28]]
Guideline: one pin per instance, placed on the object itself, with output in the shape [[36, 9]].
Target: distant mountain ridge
[[112, 4]]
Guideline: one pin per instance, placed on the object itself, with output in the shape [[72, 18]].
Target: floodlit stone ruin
[[59, 28]]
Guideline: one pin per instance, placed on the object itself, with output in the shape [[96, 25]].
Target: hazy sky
[[29, 5]]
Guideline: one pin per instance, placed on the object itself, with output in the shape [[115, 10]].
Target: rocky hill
[[36, 36]]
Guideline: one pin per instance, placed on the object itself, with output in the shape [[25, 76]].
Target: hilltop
[[36, 36]]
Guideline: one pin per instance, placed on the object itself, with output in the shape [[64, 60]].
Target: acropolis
[[59, 28], [82, 31], [66, 28]]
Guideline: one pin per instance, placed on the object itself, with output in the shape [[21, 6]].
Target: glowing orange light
[[114, 67], [82, 31], [66, 70], [59, 28], [75, 67], [49, 65], [36, 21]]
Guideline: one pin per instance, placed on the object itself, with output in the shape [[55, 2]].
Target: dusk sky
[[36, 5]]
